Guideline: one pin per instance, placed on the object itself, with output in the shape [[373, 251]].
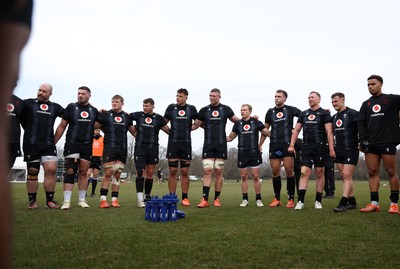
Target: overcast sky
[[247, 49]]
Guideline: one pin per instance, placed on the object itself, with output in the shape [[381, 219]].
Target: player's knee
[[208, 164], [33, 170], [173, 163], [69, 179]]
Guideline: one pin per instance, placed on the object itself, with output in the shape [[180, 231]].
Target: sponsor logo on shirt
[[376, 109], [279, 115], [311, 117], [10, 107], [118, 119], [215, 115], [44, 107]]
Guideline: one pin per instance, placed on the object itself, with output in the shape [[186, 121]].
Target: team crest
[[311, 117], [215, 113], [84, 114], [279, 115], [118, 119], [148, 120], [44, 107], [246, 127], [181, 113], [10, 107], [376, 108], [339, 123]]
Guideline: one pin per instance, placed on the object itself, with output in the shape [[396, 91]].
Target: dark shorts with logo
[[382, 150], [249, 159], [279, 151], [179, 150], [347, 156], [215, 152], [84, 150], [114, 154], [34, 152], [144, 155], [313, 154]]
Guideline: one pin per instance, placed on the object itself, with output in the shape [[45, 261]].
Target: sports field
[[226, 237]]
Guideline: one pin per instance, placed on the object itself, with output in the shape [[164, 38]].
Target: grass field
[[226, 237]]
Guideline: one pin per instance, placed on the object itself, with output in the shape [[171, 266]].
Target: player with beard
[[280, 119], [115, 124], [317, 131], [80, 118], [249, 151], [379, 134], [179, 152], [37, 119], [213, 119], [148, 125], [346, 148]]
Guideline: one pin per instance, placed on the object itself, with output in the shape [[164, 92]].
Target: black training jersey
[[379, 120], [313, 122], [248, 134], [281, 121], [81, 119], [181, 118], [214, 119], [345, 129], [38, 119], [148, 128], [115, 126], [14, 110]]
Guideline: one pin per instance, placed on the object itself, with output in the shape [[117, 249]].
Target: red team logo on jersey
[[96, 144], [181, 113], [148, 120], [339, 123], [246, 127], [10, 107], [376, 108], [279, 115], [84, 114], [215, 114], [44, 107], [311, 117], [118, 119]]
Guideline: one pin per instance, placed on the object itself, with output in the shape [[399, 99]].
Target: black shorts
[[14, 151], [215, 151], [34, 152], [95, 162], [347, 157], [146, 155], [16, 11], [114, 154], [279, 151], [382, 150], [249, 159], [84, 151], [180, 150], [313, 154]]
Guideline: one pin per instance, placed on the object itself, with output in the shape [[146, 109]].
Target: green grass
[[226, 237]]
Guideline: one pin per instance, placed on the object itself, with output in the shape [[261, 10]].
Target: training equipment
[[162, 209], [203, 203], [275, 203], [66, 205], [259, 203], [83, 203], [244, 203], [299, 206], [370, 208]]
